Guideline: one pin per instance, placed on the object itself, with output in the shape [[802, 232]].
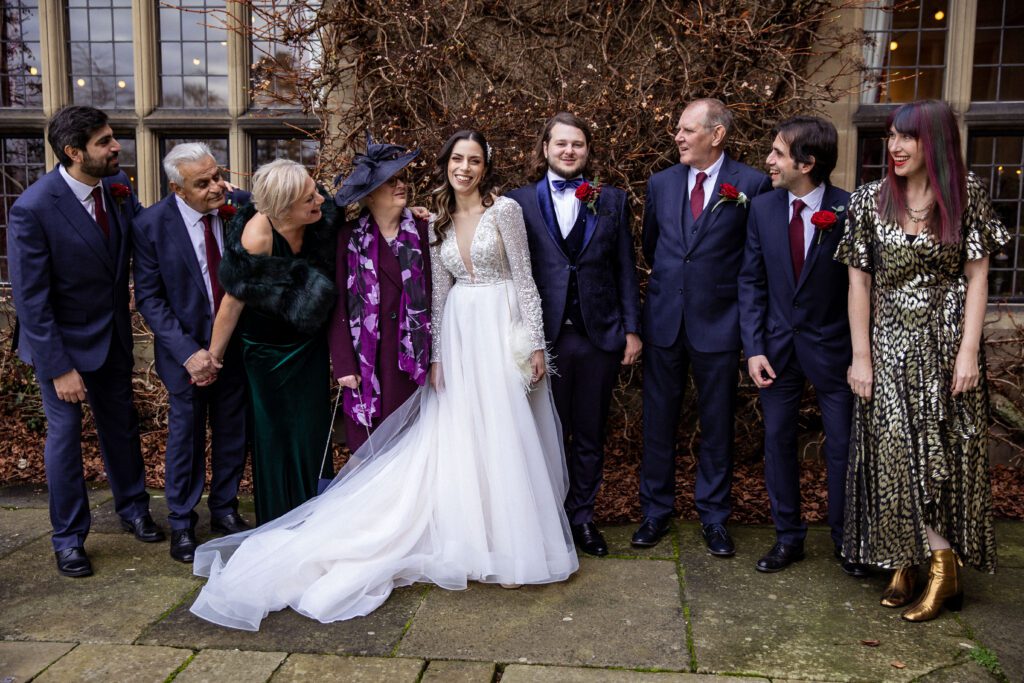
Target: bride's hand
[[436, 376], [539, 366]]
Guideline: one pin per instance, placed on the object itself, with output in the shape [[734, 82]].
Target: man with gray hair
[[694, 230], [178, 243]]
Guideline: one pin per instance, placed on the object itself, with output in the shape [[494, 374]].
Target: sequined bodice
[[501, 231]]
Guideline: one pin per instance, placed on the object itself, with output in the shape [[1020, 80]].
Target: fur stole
[[299, 290]]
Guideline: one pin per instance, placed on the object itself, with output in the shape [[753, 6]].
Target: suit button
[[687, 260], [394, 315], [796, 330], [796, 305], [680, 290], [694, 231]]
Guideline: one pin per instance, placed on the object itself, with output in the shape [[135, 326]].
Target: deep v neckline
[[468, 263]]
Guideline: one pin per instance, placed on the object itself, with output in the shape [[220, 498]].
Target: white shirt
[[567, 207], [81, 191], [709, 182], [812, 202], [197, 233]]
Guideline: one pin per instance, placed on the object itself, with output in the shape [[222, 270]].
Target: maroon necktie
[[101, 214], [212, 261], [796, 238], [697, 195]]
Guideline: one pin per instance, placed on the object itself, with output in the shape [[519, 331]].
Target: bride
[[464, 482]]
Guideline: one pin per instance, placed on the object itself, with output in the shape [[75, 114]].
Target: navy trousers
[[665, 376], [780, 404], [582, 390], [109, 393], [223, 402]]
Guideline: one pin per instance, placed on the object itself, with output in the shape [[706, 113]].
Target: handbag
[[323, 482]]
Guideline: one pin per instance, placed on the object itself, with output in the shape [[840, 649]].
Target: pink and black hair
[[933, 124]]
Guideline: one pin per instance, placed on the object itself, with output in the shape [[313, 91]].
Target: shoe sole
[[731, 553], [767, 570], [183, 560], [650, 544], [75, 575], [594, 553]]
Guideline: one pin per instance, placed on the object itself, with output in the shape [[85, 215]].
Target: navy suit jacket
[[170, 289], [780, 316], [70, 292], [605, 268], [693, 276]]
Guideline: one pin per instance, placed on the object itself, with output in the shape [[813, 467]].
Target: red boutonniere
[[729, 193], [227, 212], [825, 220], [589, 194], [120, 192]]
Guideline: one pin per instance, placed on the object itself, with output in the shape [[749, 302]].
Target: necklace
[[919, 215]]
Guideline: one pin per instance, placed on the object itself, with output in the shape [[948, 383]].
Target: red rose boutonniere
[[120, 192], [227, 212], [729, 193], [825, 220], [589, 194]]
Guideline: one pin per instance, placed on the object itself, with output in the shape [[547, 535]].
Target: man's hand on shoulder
[[70, 387]]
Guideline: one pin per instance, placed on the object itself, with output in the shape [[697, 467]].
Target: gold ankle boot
[[900, 590], [943, 588]]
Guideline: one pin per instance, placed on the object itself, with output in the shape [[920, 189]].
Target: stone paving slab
[[517, 673], [230, 666], [441, 671], [991, 603], [21, 661], [618, 537], [19, 527], [133, 584], [35, 495], [106, 663], [968, 672], [334, 669], [288, 631], [805, 622], [1009, 545], [613, 612]]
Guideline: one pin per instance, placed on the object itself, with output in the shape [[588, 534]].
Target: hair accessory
[[490, 153]]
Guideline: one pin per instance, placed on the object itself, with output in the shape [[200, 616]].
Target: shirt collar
[[552, 176], [711, 170], [80, 189], [812, 200], [188, 214]]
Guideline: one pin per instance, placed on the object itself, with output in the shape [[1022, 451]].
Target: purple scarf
[[363, 403]]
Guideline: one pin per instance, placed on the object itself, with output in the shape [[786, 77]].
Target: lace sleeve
[[517, 250], [441, 281]]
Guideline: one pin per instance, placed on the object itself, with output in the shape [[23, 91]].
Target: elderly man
[[178, 244], [693, 234], [68, 243]]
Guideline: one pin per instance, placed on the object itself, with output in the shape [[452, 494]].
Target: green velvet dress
[[289, 392]]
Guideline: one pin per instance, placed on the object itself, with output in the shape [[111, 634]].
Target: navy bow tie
[[561, 185]]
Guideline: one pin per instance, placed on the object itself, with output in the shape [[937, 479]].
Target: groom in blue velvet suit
[[582, 256], [794, 324], [68, 246], [178, 244], [694, 228]]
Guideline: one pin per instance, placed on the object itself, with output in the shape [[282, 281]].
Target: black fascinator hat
[[371, 170]]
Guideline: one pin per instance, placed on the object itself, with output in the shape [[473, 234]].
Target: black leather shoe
[[73, 562], [589, 539], [183, 545], [779, 557], [718, 540], [229, 524], [650, 532], [849, 567], [144, 528]]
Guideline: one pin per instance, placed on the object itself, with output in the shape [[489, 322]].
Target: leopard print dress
[[918, 454]]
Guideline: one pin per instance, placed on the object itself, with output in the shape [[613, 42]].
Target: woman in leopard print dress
[[918, 245]]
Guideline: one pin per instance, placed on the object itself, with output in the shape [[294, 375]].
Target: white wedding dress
[[462, 484]]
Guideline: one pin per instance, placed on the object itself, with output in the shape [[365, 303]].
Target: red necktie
[[212, 261], [697, 195], [101, 214], [796, 237]]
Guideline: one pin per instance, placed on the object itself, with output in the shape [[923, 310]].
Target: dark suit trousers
[[781, 404], [109, 392], [582, 390], [665, 376], [224, 403]]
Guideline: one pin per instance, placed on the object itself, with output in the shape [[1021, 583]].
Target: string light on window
[[33, 71], [893, 46], [196, 61], [940, 15], [122, 85], [80, 82]]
